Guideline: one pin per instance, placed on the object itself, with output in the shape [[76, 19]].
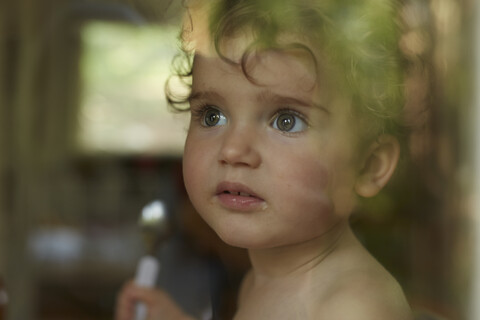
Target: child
[[295, 109]]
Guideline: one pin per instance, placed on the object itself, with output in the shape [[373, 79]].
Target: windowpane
[[123, 111]]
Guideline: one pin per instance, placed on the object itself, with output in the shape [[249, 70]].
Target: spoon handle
[[146, 276]]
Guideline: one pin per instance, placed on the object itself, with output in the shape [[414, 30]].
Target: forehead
[[264, 65], [277, 78], [270, 68]]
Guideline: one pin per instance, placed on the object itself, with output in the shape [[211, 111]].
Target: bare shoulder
[[369, 294]]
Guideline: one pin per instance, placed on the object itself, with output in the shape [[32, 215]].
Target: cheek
[[306, 170], [188, 174], [321, 189], [305, 184], [193, 170], [315, 176]]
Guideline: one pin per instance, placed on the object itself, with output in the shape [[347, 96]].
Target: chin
[[249, 240], [237, 238]]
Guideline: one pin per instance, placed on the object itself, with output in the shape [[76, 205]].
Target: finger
[[125, 302], [146, 295], [159, 304]]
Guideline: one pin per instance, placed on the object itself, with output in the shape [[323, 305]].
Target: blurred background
[[86, 141]]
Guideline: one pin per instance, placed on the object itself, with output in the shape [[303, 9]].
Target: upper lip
[[235, 188]]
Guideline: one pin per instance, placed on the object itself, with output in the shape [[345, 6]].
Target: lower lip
[[240, 203]]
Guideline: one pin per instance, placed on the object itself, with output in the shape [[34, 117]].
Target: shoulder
[[366, 294]]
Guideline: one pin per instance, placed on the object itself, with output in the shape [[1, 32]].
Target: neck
[[299, 258]]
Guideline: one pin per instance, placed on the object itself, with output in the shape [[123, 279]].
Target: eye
[[289, 121], [212, 117]]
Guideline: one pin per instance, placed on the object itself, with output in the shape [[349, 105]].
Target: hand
[[160, 305]]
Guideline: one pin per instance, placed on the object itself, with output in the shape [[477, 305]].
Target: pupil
[[286, 122], [212, 118]]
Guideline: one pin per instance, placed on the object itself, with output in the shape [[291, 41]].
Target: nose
[[239, 148]]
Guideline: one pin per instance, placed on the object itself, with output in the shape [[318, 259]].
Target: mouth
[[237, 193], [236, 189], [237, 197]]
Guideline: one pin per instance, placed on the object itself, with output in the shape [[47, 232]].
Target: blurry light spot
[[137, 137], [153, 213], [59, 245], [416, 14], [123, 107], [447, 15], [414, 43], [3, 298]]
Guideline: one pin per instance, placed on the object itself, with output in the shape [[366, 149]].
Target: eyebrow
[[205, 95], [271, 97], [266, 96]]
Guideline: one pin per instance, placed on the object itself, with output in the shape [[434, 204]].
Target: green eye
[[285, 122], [213, 117], [289, 122]]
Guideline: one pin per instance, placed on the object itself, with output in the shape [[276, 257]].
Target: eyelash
[[292, 112], [199, 111], [198, 114], [289, 111]]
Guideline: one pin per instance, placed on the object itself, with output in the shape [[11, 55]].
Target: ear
[[378, 166]]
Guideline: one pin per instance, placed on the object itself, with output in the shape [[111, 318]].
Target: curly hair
[[356, 40]]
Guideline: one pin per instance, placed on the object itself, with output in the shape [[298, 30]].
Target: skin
[[159, 304], [306, 263], [284, 193], [290, 172]]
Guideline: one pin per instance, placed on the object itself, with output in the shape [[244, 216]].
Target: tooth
[[237, 193]]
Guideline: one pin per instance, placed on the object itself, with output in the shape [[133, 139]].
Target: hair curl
[[357, 40]]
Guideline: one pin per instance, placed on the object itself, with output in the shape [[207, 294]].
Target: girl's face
[[269, 162]]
